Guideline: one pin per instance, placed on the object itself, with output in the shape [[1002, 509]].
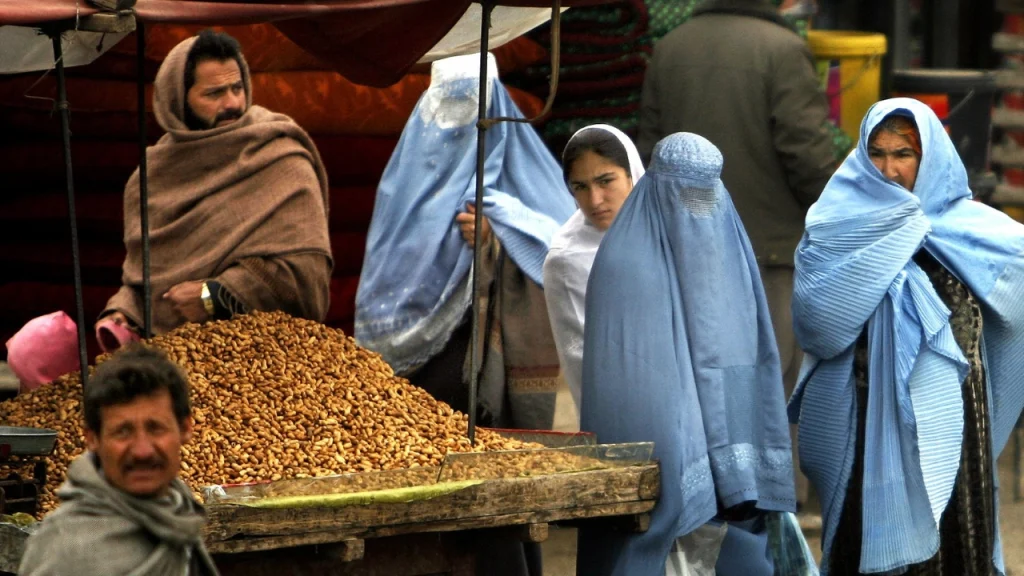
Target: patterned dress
[[967, 527]]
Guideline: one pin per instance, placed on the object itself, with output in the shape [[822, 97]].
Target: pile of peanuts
[[275, 397]]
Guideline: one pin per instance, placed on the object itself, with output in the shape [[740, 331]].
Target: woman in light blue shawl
[[679, 350], [908, 306], [413, 303]]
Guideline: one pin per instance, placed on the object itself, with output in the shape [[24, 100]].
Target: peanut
[[274, 397]]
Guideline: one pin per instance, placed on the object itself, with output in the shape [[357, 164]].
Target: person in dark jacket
[[739, 75]]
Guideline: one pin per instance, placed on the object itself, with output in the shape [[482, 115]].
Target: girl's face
[[600, 187]]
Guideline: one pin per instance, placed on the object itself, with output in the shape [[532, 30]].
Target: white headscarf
[[566, 270]]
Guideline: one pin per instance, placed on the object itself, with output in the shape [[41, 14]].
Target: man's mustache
[[148, 464], [227, 115]]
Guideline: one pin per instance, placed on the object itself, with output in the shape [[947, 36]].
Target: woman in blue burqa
[[414, 302], [679, 351], [908, 306], [413, 305]]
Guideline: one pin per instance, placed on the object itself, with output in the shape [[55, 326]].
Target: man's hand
[[467, 224], [187, 299]]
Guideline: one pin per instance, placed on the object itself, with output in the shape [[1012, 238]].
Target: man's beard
[[194, 122]]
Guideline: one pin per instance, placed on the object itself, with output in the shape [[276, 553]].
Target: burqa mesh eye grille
[[701, 202]]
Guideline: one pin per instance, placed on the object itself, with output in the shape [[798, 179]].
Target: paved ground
[[560, 549]]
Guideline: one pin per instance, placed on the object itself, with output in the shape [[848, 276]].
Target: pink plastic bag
[[43, 350]]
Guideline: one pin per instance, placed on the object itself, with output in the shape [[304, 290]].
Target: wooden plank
[[650, 482], [482, 523], [414, 555], [537, 532], [536, 499], [12, 540], [599, 494], [631, 523], [108, 22], [242, 546]]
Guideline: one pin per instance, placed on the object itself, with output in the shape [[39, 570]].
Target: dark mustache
[[228, 115], [150, 464]]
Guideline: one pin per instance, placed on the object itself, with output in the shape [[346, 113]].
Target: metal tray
[[459, 470], [20, 441]]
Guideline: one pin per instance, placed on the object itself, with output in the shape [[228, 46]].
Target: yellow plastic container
[[1014, 212], [850, 69]]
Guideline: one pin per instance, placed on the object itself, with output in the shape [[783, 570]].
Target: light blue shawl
[[679, 350], [414, 290], [854, 270]]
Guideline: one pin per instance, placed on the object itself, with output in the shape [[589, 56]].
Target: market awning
[[372, 42]]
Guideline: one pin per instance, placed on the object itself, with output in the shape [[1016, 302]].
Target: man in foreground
[[123, 509]]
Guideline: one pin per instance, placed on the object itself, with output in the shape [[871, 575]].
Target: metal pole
[[481, 150], [62, 107], [900, 35], [147, 288], [944, 39]]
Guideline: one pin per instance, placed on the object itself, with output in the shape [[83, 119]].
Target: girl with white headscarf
[[600, 165]]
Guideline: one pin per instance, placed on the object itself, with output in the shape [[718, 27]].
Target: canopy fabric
[[356, 36]]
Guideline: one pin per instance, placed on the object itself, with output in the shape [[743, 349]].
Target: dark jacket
[[738, 75]]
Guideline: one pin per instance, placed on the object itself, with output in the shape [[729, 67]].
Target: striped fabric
[[854, 272]]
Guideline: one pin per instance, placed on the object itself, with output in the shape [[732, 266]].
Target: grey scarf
[[100, 530]]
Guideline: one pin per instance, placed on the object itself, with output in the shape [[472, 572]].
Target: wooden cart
[[435, 536]]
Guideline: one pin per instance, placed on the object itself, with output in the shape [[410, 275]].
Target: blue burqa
[[414, 289], [679, 350], [854, 271]]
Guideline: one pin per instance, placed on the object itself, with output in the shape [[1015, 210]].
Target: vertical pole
[[65, 125], [900, 49], [147, 288], [481, 150], [943, 40]]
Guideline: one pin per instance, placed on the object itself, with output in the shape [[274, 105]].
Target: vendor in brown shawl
[[237, 202]]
